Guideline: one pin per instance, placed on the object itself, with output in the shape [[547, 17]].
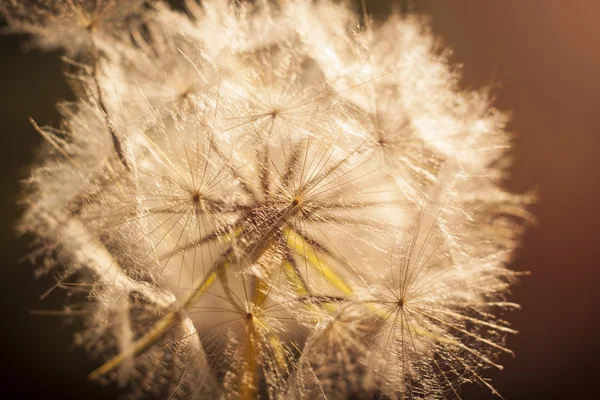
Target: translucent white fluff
[[272, 199]]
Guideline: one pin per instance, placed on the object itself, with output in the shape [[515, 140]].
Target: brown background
[[546, 56]]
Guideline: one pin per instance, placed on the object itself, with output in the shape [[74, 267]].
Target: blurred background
[[542, 57]]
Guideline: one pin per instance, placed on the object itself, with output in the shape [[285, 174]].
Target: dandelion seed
[[436, 331], [72, 25], [332, 363]]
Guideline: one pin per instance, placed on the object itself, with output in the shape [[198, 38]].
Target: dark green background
[[545, 55]]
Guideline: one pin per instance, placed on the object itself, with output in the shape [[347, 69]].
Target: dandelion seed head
[[274, 200]]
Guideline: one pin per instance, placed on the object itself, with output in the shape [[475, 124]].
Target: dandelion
[[272, 200]]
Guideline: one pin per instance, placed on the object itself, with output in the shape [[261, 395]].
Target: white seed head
[[269, 199]]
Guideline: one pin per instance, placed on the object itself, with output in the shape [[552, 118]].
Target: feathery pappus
[[271, 199]]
